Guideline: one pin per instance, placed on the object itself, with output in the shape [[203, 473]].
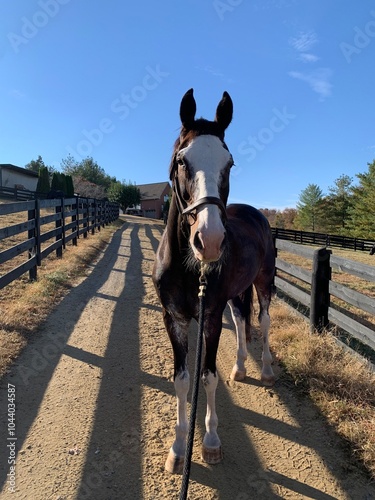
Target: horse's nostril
[[197, 241]]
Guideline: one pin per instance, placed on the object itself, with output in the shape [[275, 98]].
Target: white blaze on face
[[207, 158]]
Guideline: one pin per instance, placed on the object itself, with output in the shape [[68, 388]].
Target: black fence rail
[[322, 239], [323, 312], [19, 194], [44, 226]]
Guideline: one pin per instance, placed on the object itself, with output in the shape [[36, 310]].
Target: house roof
[[9, 166], [153, 191]]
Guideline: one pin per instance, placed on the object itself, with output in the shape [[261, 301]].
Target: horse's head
[[200, 175]]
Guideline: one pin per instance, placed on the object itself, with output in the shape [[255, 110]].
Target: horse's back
[[249, 217]]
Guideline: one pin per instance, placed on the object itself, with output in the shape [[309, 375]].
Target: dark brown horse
[[234, 241]]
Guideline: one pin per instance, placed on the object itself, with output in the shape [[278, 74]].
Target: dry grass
[[342, 386], [24, 305]]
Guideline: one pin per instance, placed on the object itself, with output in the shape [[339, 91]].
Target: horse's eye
[[181, 163]]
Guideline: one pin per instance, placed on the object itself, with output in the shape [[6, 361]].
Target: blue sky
[[105, 79]]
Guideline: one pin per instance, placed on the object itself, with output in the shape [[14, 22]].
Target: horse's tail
[[248, 311]]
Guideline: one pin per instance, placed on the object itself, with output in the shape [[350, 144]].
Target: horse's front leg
[[211, 448], [177, 330]]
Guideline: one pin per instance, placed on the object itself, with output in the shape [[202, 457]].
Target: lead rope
[[194, 397]]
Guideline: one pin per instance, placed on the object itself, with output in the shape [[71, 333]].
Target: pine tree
[[309, 209], [338, 204], [43, 181], [69, 186], [59, 182], [362, 213]]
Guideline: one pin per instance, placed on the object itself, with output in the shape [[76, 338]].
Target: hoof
[[268, 381], [174, 464], [212, 455], [238, 375]]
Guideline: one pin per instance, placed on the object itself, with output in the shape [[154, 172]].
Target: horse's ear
[[188, 109], [224, 111]]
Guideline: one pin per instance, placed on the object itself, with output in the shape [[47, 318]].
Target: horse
[[234, 242]]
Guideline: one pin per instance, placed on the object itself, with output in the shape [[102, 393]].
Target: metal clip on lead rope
[[202, 280]]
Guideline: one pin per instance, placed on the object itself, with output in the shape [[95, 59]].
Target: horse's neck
[[176, 239]]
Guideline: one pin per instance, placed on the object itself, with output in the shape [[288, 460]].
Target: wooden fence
[[44, 226], [322, 239], [322, 311], [20, 194]]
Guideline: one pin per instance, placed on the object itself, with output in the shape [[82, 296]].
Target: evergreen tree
[[59, 182], [69, 164], [338, 204], [35, 165], [69, 186], [362, 212], [43, 185], [309, 209]]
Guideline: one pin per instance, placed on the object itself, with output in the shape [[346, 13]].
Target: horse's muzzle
[[208, 248]]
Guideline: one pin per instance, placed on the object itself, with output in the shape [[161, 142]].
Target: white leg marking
[[239, 370], [181, 384], [211, 439]]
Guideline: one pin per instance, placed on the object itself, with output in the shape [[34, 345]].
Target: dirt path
[[95, 407]]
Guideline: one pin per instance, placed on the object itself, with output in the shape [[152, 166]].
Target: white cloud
[[308, 58], [319, 81]]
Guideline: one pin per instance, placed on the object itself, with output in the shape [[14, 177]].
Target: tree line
[[348, 209], [84, 178]]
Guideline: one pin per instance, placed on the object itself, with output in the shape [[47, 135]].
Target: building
[[17, 177], [153, 197]]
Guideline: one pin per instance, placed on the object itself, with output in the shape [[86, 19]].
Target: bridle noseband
[[185, 209]]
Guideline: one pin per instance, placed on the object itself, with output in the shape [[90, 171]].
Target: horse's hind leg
[[241, 313], [177, 331], [264, 297]]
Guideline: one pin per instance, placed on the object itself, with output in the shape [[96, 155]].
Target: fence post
[[95, 215], [85, 216], [63, 222], [58, 225], [75, 219], [32, 233], [321, 274]]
